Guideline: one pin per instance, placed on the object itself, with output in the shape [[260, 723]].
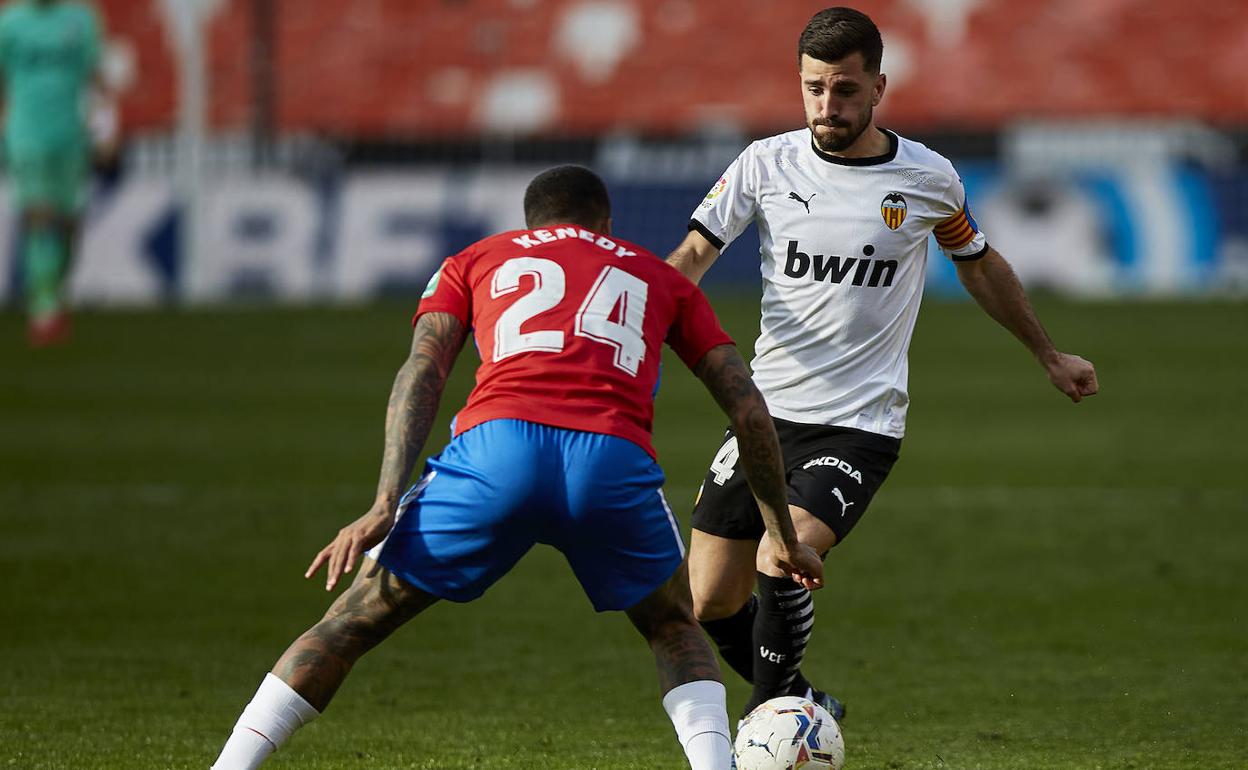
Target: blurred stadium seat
[[393, 132], [400, 68]]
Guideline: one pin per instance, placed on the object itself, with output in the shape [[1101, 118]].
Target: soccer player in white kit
[[844, 212]]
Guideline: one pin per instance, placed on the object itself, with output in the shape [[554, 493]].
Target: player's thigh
[[726, 528], [471, 516], [28, 178], [616, 529], [725, 506], [50, 182], [834, 480]]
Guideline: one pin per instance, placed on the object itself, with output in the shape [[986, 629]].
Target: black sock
[[734, 636], [786, 614], [801, 685]]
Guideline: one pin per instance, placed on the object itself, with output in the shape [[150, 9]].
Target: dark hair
[[571, 194], [834, 33]]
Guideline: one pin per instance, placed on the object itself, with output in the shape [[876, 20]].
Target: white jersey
[[844, 253]]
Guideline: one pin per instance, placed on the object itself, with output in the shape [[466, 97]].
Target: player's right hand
[[352, 540], [1074, 376]]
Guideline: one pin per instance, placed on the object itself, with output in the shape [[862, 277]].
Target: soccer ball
[[789, 733]]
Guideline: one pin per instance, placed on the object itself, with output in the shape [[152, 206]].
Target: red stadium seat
[[415, 68]]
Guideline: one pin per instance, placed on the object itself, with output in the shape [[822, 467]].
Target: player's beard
[[834, 142]]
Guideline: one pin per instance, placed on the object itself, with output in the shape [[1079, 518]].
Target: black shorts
[[833, 472]]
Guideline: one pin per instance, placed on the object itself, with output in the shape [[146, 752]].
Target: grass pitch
[[1039, 584]]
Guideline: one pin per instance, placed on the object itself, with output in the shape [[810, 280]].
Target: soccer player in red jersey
[[553, 446]]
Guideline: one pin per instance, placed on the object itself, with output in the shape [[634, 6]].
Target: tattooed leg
[[310, 672], [366, 613], [693, 695], [665, 619]]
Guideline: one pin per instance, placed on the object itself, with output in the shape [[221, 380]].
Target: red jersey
[[570, 326]]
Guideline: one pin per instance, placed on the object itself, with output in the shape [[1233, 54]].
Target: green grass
[[1039, 585]]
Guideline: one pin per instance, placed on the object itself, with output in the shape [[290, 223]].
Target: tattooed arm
[[414, 400], [725, 375], [413, 407]]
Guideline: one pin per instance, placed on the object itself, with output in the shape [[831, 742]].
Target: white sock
[[245, 750], [699, 712], [273, 715]]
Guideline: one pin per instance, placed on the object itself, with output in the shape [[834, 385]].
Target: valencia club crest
[[893, 209]]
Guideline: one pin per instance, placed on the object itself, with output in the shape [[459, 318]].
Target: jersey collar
[[874, 160]]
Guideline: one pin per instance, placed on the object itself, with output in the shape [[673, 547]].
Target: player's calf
[[665, 619], [785, 617], [311, 670], [693, 696], [44, 257], [786, 614], [721, 579], [734, 636]]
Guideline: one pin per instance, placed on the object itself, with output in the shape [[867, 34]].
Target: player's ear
[[881, 82], [606, 226]]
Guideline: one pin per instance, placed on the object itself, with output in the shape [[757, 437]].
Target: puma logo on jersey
[[835, 269], [834, 462], [805, 202], [844, 503]]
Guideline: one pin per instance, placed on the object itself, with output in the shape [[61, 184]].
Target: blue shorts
[[504, 485]]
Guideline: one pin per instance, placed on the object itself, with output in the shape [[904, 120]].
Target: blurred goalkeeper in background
[[49, 54]]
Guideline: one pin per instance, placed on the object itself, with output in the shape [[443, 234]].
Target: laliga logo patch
[[432, 286], [893, 209], [715, 192]]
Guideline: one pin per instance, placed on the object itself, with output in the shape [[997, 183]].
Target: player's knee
[[721, 595], [363, 616], [676, 625], [707, 607], [67, 226], [40, 219], [344, 626], [349, 636], [663, 614]]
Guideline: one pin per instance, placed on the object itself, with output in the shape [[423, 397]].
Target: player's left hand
[[352, 540], [1074, 376], [801, 563]]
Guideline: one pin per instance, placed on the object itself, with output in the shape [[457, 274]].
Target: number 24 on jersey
[[614, 288]]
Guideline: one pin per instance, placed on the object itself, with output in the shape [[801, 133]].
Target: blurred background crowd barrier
[[327, 150]]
